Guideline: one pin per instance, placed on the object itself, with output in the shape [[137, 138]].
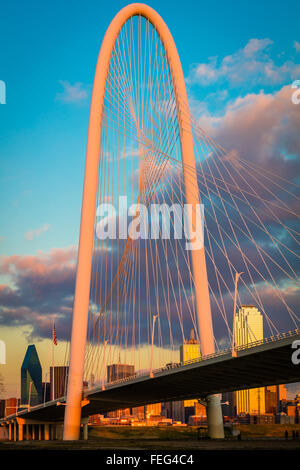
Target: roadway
[[256, 366]]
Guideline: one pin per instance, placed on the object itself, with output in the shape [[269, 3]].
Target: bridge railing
[[171, 366], [221, 352]]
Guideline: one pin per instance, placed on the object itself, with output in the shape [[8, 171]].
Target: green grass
[[144, 432], [268, 430], [184, 433]]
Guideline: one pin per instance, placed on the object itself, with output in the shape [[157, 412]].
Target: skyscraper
[[116, 372], [31, 378], [60, 378], [248, 329], [275, 399], [190, 350], [153, 409], [119, 371]]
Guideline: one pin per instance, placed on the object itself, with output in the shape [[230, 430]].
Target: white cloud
[[31, 234], [72, 93], [297, 46], [250, 66], [255, 45]]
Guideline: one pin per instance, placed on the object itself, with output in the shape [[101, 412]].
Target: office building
[[59, 387], [271, 397], [178, 411], [188, 351], [152, 410], [31, 378], [2, 408], [116, 372], [119, 371], [138, 412], [248, 329], [11, 406]]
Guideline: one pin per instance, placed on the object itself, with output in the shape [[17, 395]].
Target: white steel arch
[[85, 250]]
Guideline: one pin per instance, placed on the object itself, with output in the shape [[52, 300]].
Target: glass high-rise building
[[31, 378], [248, 329]]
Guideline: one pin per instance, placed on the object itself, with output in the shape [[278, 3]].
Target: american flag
[[54, 335]]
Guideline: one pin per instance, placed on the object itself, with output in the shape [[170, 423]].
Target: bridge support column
[[85, 431], [27, 432], [15, 431], [20, 432], [40, 432], [46, 432], [9, 432], [57, 432], [33, 432], [214, 417]]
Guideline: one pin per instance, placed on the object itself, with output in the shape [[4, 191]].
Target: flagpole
[[53, 397]]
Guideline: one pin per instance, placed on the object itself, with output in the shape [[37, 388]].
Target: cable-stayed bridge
[[152, 266], [257, 365]]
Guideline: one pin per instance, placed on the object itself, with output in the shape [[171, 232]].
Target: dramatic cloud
[[262, 128], [72, 93], [41, 287], [251, 65], [31, 234]]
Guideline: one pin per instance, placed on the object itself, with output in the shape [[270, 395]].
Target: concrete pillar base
[[20, 432], [214, 417], [85, 432], [27, 432], [46, 432]]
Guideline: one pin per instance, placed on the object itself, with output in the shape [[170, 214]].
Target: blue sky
[[43, 138]]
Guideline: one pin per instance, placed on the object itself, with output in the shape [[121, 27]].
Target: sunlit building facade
[[248, 329], [188, 351]]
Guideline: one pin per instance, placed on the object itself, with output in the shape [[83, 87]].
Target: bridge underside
[[267, 364]]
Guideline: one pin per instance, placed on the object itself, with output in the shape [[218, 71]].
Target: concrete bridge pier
[[33, 432], [58, 431], [214, 417], [27, 432], [20, 431], [46, 432], [85, 431]]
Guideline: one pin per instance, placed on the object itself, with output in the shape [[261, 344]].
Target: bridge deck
[[258, 366]]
